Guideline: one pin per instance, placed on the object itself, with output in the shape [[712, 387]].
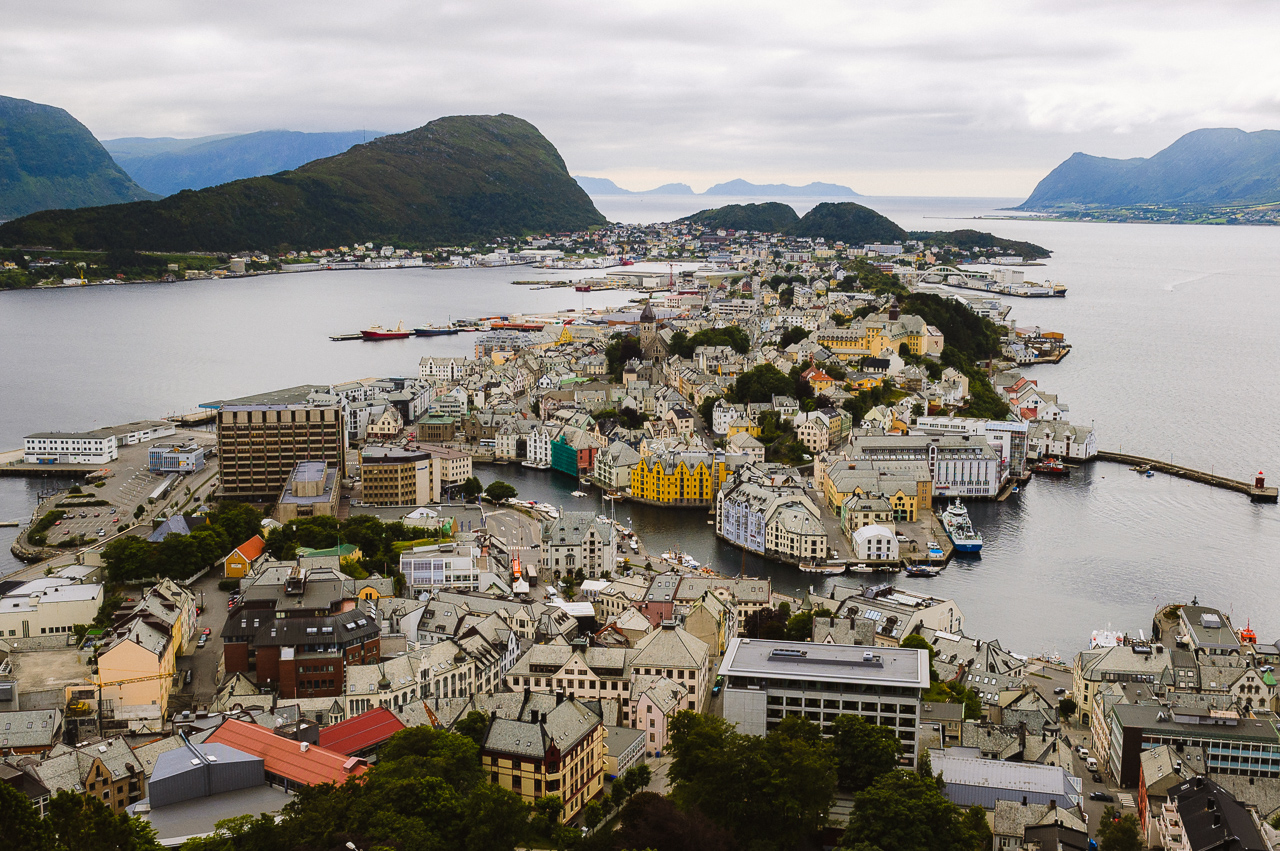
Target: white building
[[766, 681], [875, 543], [1061, 439], [88, 447], [441, 566], [1008, 438], [579, 541], [48, 606]]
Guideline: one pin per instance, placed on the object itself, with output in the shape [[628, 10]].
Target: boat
[[577, 493], [341, 337], [434, 331], [533, 466], [1149, 473], [377, 332], [683, 559], [635, 547], [921, 570], [582, 288], [1050, 467], [827, 569], [960, 530], [888, 567]]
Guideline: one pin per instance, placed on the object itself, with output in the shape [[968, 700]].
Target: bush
[[228, 584]]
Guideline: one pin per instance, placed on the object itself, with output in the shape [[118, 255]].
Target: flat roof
[[286, 396], [838, 663], [1000, 774]]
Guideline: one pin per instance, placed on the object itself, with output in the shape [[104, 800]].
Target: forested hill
[[48, 160], [1205, 167], [452, 181]]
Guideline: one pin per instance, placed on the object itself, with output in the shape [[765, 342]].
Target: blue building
[[165, 458]]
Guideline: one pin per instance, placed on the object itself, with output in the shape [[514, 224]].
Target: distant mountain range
[[49, 160], [450, 182], [738, 188], [1205, 167], [165, 166], [845, 221]]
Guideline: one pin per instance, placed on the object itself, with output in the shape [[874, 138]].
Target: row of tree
[[129, 559]]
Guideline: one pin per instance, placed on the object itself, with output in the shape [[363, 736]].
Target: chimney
[[1217, 819], [1210, 803], [303, 746], [559, 697]]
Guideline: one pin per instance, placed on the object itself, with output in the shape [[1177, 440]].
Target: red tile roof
[[364, 731], [252, 548], [287, 758]]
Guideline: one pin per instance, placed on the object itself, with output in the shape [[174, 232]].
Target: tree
[[240, 522], [636, 778], [471, 488], [1067, 707], [1118, 832], [902, 811], [593, 814], [800, 626], [499, 490], [915, 641], [791, 336], [127, 559], [81, 823], [426, 750], [651, 821], [864, 752], [761, 384], [22, 824], [473, 726]]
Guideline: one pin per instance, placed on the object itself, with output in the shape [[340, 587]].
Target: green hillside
[[48, 160], [769, 217], [971, 239], [452, 181], [847, 222]]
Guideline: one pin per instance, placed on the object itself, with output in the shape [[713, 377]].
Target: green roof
[[346, 550]]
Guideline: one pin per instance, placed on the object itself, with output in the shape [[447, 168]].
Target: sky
[[903, 97]]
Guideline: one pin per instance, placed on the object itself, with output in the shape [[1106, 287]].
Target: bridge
[[939, 274], [1256, 491]]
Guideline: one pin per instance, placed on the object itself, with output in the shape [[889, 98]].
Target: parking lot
[[127, 485]]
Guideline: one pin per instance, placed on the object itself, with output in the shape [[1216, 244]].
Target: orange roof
[[363, 731], [252, 548], [294, 761]]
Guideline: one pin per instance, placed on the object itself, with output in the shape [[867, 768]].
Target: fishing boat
[[377, 332], [921, 570], [960, 530], [684, 559], [887, 567], [1050, 467], [434, 331]]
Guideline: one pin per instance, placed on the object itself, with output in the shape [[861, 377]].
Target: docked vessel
[[1050, 467], [828, 569], [377, 332], [960, 530], [921, 570], [434, 331], [883, 567], [683, 559]]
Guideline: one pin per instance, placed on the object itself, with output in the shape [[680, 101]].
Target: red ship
[[377, 332]]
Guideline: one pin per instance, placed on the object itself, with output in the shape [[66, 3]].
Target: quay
[[194, 418], [1256, 491]]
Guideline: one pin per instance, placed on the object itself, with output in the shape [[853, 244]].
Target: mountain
[[847, 222], [455, 180], [743, 188], [769, 217], [1214, 167], [48, 160], [740, 188], [166, 166], [605, 186]]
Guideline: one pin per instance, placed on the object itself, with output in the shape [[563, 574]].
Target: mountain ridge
[[737, 187], [49, 160], [1211, 166], [167, 166], [449, 182]]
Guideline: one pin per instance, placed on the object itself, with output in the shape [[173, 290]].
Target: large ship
[[434, 330], [961, 532], [377, 332]]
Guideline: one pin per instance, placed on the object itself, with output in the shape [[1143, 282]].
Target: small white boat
[[577, 493]]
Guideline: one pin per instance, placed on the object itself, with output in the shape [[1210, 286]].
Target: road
[[203, 662], [521, 534]]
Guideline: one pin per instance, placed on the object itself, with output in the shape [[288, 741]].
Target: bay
[[1173, 329]]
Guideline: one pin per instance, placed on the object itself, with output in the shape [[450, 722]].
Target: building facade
[[259, 445]]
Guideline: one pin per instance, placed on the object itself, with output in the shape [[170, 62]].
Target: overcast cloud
[[891, 98]]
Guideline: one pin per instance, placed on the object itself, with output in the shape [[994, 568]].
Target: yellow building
[[871, 336], [679, 478], [742, 425], [554, 746], [136, 671], [242, 559], [909, 495]]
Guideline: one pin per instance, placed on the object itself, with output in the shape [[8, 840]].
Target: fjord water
[[1173, 329]]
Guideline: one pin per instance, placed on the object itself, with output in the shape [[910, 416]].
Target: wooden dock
[[1255, 493]]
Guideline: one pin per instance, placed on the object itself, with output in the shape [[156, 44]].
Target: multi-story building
[[455, 566], [871, 336], [766, 681], [552, 746], [1009, 438], [392, 475], [89, 447], [50, 605], [613, 466], [166, 458], [435, 429], [682, 478], [300, 636], [311, 491], [579, 541], [260, 445], [957, 466], [1232, 744], [455, 466]]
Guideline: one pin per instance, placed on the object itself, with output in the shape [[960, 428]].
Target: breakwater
[[1256, 491]]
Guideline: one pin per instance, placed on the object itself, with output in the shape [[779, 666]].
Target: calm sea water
[[1174, 341]]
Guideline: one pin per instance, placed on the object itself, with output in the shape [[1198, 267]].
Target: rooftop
[[296, 761], [840, 663], [361, 732]]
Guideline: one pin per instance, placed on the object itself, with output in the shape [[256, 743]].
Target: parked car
[[187, 678], [1084, 752], [102, 533], [201, 643], [1097, 778], [207, 632], [1060, 690], [1101, 796]]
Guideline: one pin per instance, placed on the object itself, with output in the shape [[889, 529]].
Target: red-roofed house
[[242, 558], [363, 734], [818, 379], [288, 764]]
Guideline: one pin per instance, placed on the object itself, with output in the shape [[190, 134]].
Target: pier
[[1256, 491], [201, 417]]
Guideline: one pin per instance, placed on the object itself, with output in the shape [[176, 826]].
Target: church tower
[[648, 331]]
